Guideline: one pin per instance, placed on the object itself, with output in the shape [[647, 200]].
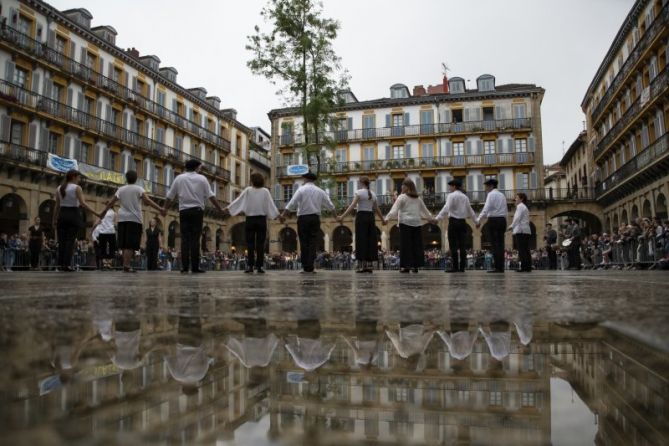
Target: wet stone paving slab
[[335, 358]]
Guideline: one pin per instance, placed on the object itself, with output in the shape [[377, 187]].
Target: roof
[[578, 142], [501, 91]]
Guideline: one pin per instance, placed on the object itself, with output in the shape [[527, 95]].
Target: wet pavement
[[335, 358]]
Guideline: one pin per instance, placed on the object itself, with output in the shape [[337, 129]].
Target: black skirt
[[366, 241], [411, 246]]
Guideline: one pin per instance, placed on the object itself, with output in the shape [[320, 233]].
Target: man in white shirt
[[308, 200], [192, 190], [458, 208], [495, 210]]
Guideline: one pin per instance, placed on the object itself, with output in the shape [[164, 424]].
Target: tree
[[297, 54]]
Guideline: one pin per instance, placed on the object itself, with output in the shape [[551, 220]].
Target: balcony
[[410, 131], [407, 164], [41, 52], [656, 28], [656, 88], [260, 159], [652, 161], [15, 95]]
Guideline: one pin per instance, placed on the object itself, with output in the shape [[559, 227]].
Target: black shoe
[[495, 271], [415, 270], [368, 270], [198, 271], [184, 271], [129, 270], [404, 270], [248, 271], [451, 271], [260, 271], [360, 271]]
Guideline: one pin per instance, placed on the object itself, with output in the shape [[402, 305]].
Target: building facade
[[627, 109], [430, 135], [67, 90]]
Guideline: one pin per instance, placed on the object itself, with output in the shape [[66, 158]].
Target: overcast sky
[[556, 44]]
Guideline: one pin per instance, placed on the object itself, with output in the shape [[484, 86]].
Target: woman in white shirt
[[256, 203], [366, 239], [520, 226], [104, 236], [410, 210]]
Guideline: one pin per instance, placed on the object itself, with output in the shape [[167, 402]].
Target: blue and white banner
[[296, 170], [61, 164]]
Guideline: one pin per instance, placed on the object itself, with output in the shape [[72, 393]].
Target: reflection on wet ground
[[228, 359]]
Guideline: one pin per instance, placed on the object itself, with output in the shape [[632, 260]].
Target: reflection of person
[[35, 244], [520, 227], [190, 363], [366, 343], [192, 190], [460, 340], [495, 211], [458, 208], [498, 338], [154, 238], [256, 203], [306, 348], [409, 210], [257, 346], [308, 200], [366, 243]]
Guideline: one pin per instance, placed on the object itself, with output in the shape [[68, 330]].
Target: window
[[398, 120], [456, 85], [161, 98], [52, 143], [341, 190], [20, 77], [489, 177], [398, 152], [16, 136], [527, 399], [486, 83], [399, 92], [426, 121], [521, 145], [238, 173], [112, 161], [83, 156], [88, 105], [495, 398], [114, 116], [59, 45], [340, 155], [523, 181], [458, 148], [428, 150], [489, 147], [24, 25], [519, 111]]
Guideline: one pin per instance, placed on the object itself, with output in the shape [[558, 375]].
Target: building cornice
[[577, 144]]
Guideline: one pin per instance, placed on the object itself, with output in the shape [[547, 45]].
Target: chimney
[[445, 83], [419, 90], [133, 52]]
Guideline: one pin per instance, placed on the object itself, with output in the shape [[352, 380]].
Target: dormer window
[[347, 97], [399, 91], [456, 85], [486, 83]]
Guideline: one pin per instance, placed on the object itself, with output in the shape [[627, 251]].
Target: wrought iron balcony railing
[[655, 28], [260, 158], [42, 52], [436, 162], [341, 136], [38, 103]]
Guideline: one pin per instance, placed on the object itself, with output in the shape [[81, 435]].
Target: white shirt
[[495, 205], [457, 206], [365, 204], [309, 199], [192, 189], [254, 202], [130, 197], [106, 225], [190, 364], [411, 210], [309, 354], [521, 220], [410, 340], [253, 352], [70, 199]]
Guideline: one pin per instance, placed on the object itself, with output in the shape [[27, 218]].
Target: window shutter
[[530, 143], [470, 183], [98, 110], [449, 148], [110, 70], [51, 38], [108, 159], [479, 182], [36, 82], [277, 191], [9, 71], [438, 184], [32, 136], [407, 151], [533, 180], [175, 105], [350, 123], [479, 147], [372, 186], [66, 146], [83, 55], [134, 83], [501, 179], [468, 147], [47, 88], [419, 184], [108, 112], [499, 112], [387, 120], [77, 149], [466, 115], [125, 120], [351, 188], [148, 91], [5, 126], [133, 125], [447, 115], [407, 120], [388, 153], [477, 114], [43, 139], [519, 180], [73, 49], [70, 95], [80, 101]]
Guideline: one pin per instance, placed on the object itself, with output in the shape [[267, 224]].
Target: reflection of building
[[66, 89], [448, 131], [627, 114]]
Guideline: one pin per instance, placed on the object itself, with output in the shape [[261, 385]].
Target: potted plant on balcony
[[410, 162], [356, 166]]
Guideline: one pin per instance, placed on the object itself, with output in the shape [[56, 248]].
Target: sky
[[555, 44]]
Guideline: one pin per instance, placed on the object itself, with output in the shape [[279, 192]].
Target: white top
[[309, 354], [365, 204], [457, 206], [106, 225], [127, 349], [409, 211], [410, 340], [460, 344], [130, 197], [190, 364], [495, 205], [499, 342], [253, 352], [254, 202], [70, 200], [192, 189], [521, 220], [309, 199]]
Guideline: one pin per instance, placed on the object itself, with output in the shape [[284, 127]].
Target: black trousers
[[307, 231], [574, 254], [496, 229], [366, 247], [190, 221], [457, 235], [152, 256], [552, 257], [35, 247], [107, 244], [411, 246], [256, 234], [524, 255], [69, 223]]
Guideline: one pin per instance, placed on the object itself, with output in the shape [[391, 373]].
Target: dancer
[[67, 217], [409, 209], [458, 208], [366, 240], [495, 211], [308, 200], [520, 226], [36, 242], [256, 203], [192, 190], [104, 235], [130, 218], [154, 238]]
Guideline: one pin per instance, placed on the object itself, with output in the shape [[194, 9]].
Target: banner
[[61, 164], [296, 170], [103, 175]]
